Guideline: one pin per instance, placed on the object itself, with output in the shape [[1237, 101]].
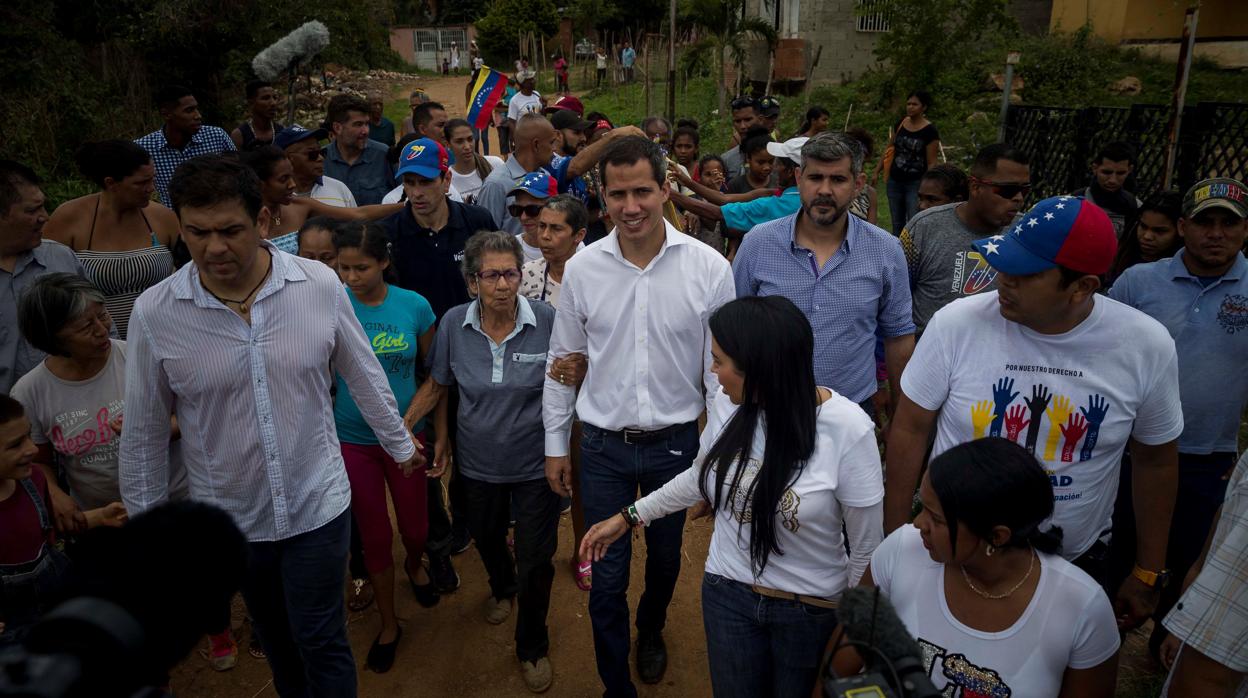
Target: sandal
[[361, 595], [585, 576], [254, 649]]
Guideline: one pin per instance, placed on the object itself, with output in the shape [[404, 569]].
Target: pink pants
[[370, 469]]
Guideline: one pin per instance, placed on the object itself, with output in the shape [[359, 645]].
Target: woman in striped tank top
[[122, 237]]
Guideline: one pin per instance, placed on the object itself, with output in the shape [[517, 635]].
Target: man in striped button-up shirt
[[237, 344]]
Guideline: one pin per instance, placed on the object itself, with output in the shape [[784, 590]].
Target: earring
[[988, 551]]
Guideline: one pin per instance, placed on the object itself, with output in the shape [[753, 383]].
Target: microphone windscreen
[[868, 617], [297, 47]]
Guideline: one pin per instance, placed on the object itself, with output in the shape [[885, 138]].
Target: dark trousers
[[761, 646], [293, 590], [602, 73], [529, 576], [612, 472], [1202, 488]]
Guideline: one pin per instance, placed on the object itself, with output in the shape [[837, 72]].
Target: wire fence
[[1062, 142]]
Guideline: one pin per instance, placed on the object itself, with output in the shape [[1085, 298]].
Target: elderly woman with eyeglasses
[[494, 350]]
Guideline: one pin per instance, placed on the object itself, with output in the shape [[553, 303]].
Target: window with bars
[[872, 15]]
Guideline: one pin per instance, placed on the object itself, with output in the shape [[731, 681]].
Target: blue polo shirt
[[863, 287], [369, 178], [501, 437], [1209, 325], [744, 215]]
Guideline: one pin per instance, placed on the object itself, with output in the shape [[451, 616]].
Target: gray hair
[[831, 146], [489, 241], [51, 303], [651, 120], [574, 213]]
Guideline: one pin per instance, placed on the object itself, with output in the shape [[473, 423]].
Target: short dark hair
[[14, 175], [1070, 276], [574, 212], [10, 409], [755, 139], [924, 97], [341, 106], [115, 158], [168, 96], [986, 159], [951, 179], [213, 179], [690, 131], [691, 123], [422, 114], [254, 86], [709, 158], [396, 151], [51, 303], [995, 482], [263, 160], [318, 223], [1115, 151], [744, 102], [863, 136], [630, 150]]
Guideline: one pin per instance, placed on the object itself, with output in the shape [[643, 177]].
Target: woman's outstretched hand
[[597, 539]]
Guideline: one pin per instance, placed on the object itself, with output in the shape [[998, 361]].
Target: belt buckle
[[627, 433]]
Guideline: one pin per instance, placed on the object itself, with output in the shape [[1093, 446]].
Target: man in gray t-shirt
[[937, 242]]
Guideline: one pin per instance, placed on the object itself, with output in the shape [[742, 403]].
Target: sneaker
[[222, 651], [537, 675], [460, 542], [497, 610], [445, 578]]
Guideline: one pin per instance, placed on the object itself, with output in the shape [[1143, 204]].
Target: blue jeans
[[760, 646], [611, 474], [903, 202], [293, 590]]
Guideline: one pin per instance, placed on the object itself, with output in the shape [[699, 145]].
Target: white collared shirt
[[644, 332], [252, 401]]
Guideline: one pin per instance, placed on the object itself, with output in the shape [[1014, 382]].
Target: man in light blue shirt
[[353, 157], [628, 57], [1201, 296], [846, 275]]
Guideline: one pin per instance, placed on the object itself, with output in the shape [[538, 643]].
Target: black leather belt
[[640, 436]]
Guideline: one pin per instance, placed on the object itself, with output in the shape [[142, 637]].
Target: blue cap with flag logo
[[424, 157], [1063, 230]]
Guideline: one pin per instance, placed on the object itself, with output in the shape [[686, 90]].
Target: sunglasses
[[314, 155], [531, 210], [743, 102], [1005, 191]]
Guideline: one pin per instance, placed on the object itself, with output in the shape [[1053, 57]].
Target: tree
[[726, 32], [499, 31], [929, 37]]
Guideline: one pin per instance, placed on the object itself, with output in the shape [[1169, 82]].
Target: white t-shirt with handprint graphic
[[1073, 399]]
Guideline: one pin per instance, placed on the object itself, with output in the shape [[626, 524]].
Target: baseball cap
[[566, 102], [1066, 230], [424, 157], [790, 149], [769, 106], [566, 118], [539, 184], [295, 133], [1219, 192], [599, 125]]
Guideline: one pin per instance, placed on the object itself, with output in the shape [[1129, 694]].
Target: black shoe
[[426, 595], [651, 657], [445, 579], [381, 657], [460, 542]]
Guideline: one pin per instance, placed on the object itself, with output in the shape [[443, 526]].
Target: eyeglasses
[[492, 276], [531, 210], [315, 155], [743, 102], [1004, 190]]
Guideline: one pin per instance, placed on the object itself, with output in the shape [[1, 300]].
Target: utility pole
[[1011, 59], [671, 61], [1180, 94]]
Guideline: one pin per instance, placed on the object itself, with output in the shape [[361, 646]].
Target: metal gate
[[432, 44]]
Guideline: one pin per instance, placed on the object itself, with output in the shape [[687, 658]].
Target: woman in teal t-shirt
[[400, 325]]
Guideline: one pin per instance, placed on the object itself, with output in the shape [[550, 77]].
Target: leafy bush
[[499, 31]]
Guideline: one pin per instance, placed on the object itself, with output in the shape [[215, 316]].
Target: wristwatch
[[1156, 580], [630, 515]]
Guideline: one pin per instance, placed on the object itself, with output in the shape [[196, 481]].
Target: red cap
[[567, 102]]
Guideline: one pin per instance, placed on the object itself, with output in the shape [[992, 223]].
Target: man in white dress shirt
[[238, 342], [636, 303]]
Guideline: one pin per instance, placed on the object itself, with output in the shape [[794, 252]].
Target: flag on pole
[[486, 91]]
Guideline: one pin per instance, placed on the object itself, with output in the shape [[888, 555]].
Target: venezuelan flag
[[489, 88]]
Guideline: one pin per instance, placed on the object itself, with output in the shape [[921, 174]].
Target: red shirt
[[23, 536]]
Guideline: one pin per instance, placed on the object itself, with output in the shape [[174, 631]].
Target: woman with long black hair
[[782, 495], [977, 578], [1154, 236]]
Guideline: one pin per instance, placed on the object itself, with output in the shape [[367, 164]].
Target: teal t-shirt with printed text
[[393, 329]]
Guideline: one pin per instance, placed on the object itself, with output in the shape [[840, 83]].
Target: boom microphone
[[870, 622], [294, 49]]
